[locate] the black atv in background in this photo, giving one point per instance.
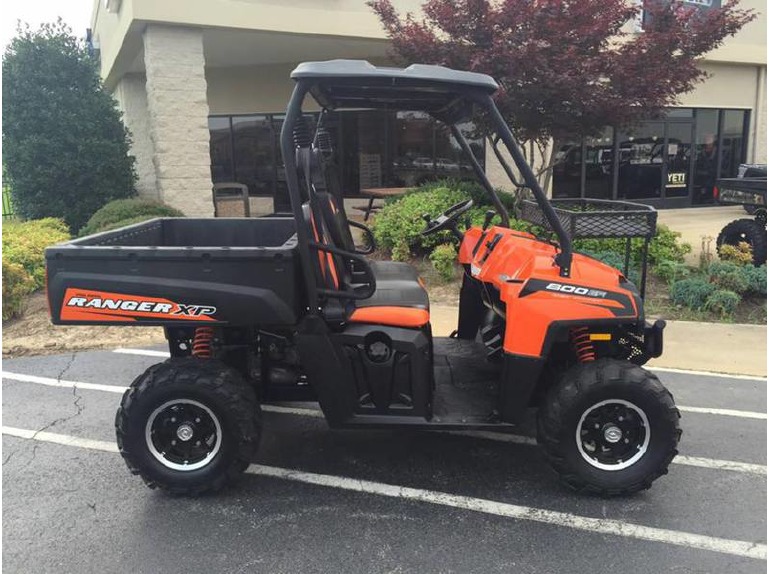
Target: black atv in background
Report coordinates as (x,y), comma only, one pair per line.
(749,189)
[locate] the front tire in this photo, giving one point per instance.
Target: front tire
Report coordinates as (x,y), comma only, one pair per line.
(609,427)
(747,231)
(188,426)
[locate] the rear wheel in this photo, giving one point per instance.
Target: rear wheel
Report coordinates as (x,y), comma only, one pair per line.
(188,426)
(609,427)
(748,231)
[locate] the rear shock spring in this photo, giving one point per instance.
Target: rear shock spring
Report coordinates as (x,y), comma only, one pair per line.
(584,347)
(201,346)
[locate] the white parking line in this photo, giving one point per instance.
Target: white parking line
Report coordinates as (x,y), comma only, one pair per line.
(145,352)
(725,412)
(716,464)
(151,353)
(515,511)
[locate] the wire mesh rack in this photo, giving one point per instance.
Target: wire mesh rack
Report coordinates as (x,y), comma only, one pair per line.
(600,219)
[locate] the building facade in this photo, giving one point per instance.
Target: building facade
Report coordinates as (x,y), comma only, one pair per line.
(203,85)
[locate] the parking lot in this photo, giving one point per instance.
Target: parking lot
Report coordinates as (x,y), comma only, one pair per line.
(318,500)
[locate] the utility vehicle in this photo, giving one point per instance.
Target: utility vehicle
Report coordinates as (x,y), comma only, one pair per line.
(749,189)
(289,309)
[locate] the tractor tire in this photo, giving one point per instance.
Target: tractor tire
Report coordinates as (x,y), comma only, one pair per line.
(609,428)
(747,230)
(188,426)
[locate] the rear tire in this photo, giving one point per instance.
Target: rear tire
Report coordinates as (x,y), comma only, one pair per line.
(188,426)
(749,231)
(609,427)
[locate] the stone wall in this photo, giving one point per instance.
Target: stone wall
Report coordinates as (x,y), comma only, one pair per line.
(178,112)
(132,99)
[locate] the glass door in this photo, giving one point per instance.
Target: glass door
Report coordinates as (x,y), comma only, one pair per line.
(677,161)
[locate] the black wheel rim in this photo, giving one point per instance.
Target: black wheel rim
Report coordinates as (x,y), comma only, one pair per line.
(183,434)
(613,434)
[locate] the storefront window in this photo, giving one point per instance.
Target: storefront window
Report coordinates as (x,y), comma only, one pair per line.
(641,162)
(733,124)
(413,160)
(599,165)
(253,149)
(706,144)
(677,158)
(221,150)
(566,171)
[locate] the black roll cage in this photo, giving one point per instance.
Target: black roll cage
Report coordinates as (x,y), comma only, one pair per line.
(476,96)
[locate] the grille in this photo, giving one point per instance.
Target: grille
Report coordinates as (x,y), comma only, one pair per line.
(595,218)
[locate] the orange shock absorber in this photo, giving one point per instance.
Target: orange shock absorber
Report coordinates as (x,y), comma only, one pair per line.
(201,347)
(581,341)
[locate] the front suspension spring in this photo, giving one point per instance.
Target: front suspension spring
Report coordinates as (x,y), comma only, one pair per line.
(584,347)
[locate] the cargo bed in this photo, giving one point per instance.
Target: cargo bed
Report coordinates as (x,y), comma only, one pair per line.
(176,271)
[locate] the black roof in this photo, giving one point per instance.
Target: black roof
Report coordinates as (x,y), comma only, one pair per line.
(358,84)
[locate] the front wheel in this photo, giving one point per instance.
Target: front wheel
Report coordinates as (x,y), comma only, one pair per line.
(609,427)
(188,426)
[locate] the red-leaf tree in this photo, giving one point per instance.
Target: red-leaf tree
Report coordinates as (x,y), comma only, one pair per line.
(567,68)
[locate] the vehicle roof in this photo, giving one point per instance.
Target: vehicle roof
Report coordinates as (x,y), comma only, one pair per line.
(358,84)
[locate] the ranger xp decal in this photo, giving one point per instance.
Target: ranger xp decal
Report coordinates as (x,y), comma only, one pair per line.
(86,305)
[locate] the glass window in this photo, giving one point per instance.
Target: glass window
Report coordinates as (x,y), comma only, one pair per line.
(679,113)
(451,160)
(677,158)
(599,162)
(413,160)
(641,162)
(706,144)
(253,147)
(220,150)
(733,138)
(566,169)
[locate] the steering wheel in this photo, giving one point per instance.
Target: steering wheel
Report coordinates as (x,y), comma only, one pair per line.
(447,220)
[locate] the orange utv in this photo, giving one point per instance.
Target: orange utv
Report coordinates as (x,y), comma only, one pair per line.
(287,308)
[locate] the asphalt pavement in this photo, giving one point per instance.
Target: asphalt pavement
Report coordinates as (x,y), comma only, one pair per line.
(318,500)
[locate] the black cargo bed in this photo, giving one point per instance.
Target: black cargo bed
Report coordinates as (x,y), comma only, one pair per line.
(173,271)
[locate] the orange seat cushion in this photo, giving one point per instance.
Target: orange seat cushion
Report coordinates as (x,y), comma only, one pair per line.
(392,316)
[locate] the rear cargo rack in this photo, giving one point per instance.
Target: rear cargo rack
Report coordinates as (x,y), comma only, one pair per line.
(599,219)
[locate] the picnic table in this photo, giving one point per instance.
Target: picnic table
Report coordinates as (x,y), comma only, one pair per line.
(379,193)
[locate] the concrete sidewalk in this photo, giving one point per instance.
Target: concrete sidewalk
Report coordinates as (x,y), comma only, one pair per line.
(714,347)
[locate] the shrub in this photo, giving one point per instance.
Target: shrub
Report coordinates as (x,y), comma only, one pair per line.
(756,279)
(665,246)
(740,254)
(122,210)
(25,242)
(671,271)
(611,258)
(66,151)
(443,259)
(722,301)
(726,275)
(397,227)
(692,293)
(17,284)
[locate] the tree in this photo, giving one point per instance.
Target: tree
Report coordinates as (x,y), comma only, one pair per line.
(65,147)
(567,68)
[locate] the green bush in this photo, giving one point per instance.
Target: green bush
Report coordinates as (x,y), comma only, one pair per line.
(756,278)
(443,260)
(722,301)
(611,258)
(692,293)
(740,254)
(665,246)
(17,284)
(25,242)
(729,276)
(65,148)
(121,211)
(671,271)
(398,225)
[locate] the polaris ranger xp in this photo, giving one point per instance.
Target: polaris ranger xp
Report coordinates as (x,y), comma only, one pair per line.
(287,308)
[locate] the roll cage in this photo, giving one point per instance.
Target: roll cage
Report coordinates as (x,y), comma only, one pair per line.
(446,95)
